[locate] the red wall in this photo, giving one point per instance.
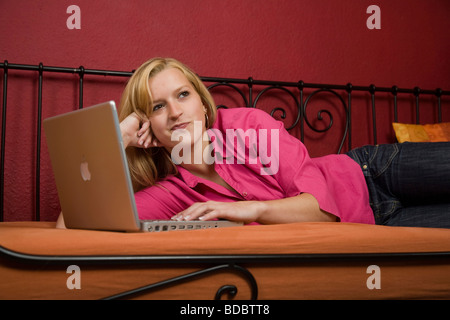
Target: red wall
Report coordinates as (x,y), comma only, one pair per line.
(315,41)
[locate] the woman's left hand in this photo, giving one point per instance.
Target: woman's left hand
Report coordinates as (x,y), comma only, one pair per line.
(242,211)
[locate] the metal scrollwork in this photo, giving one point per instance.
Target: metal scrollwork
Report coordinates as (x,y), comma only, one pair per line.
(328,113)
(230,289)
(230,86)
(279,109)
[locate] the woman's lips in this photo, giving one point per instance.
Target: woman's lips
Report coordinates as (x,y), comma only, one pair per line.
(181,125)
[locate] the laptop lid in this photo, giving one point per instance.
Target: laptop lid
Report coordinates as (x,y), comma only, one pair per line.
(90,168)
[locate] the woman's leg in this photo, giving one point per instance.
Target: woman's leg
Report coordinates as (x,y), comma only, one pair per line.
(409,183)
(432,215)
(422,185)
(422,173)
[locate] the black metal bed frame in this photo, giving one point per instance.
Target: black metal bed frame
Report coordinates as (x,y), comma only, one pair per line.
(300,101)
(210,264)
(219,263)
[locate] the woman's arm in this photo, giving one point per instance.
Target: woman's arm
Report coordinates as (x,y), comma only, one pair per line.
(301,208)
(60,222)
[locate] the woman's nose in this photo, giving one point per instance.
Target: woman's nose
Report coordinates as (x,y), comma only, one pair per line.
(175,110)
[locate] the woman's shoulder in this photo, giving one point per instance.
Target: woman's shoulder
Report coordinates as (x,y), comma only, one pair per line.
(169,185)
(241,111)
(242,118)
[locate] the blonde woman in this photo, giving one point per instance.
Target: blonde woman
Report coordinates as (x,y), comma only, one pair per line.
(164,95)
(190,161)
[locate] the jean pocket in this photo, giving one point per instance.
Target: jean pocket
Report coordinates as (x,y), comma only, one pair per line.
(383,210)
(381,158)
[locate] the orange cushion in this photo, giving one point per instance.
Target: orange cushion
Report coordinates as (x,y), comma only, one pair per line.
(422,133)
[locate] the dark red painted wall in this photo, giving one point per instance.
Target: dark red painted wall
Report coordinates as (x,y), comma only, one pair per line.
(315,41)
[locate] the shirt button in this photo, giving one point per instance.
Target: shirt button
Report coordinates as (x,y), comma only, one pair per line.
(244,194)
(365,166)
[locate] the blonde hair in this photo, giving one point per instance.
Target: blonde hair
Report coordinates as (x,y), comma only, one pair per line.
(147,166)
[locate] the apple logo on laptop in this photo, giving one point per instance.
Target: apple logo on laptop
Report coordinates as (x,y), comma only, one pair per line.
(84,169)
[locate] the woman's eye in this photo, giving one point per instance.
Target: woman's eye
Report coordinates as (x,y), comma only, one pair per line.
(183,94)
(157,107)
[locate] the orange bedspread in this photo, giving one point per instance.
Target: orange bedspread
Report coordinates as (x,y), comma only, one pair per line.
(300,278)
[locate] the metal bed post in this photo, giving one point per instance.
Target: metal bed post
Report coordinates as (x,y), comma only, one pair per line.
(81,73)
(372,90)
(349,110)
(394,93)
(38,147)
(416,94)
(302,114)
(250,92)
(3,138)
(438,95)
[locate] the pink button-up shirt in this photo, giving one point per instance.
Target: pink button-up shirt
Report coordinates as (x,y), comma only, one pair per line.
(272,165)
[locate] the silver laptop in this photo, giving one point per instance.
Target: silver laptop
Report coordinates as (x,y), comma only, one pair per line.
(92,177)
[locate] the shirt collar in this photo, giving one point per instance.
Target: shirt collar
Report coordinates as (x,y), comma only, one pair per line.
(190,179)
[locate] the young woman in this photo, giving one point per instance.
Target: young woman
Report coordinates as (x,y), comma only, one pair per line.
(190,161)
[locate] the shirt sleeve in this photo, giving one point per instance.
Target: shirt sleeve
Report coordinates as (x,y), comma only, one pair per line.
(165,199)
(150,206)
(286,158)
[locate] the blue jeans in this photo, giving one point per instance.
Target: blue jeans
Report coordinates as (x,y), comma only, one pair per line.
(409,183)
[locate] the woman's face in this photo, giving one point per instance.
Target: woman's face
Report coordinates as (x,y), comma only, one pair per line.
(176,105)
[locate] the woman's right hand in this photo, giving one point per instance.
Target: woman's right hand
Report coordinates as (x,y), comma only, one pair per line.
(136,132)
